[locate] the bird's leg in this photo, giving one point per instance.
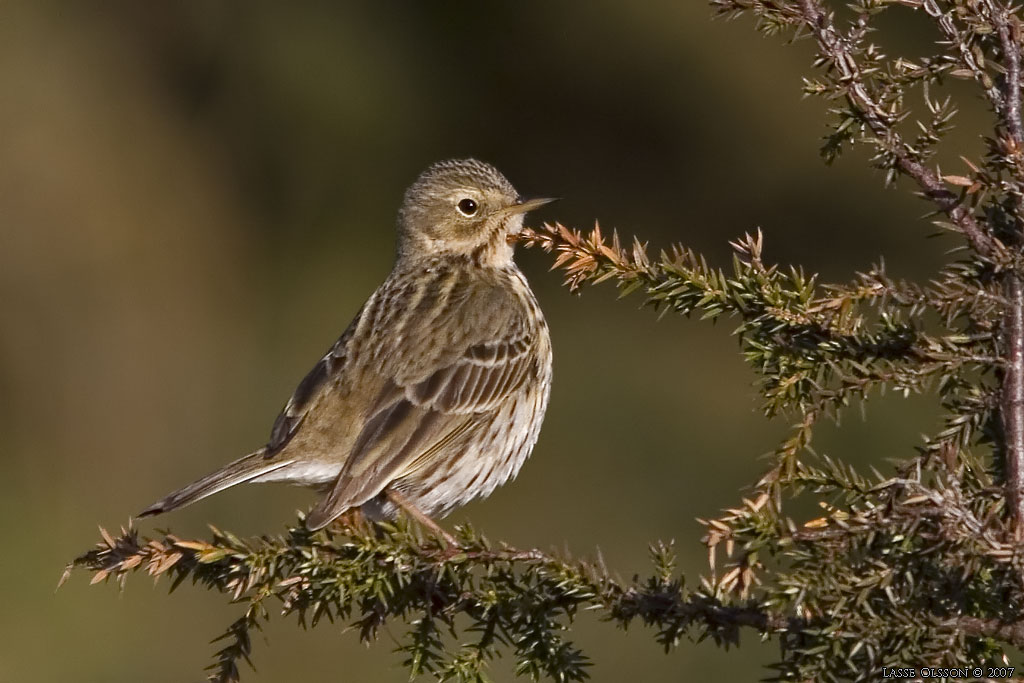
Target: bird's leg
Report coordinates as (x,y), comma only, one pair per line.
(417,514)
(352,519)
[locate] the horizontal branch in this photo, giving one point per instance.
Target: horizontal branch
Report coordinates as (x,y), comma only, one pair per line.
(991,628)
(373,576)
(813,349)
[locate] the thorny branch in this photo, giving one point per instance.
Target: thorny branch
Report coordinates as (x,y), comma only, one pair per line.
(1009,40)
(992,628)
(796,335)
(988,49)
(943,517)
(834,46)
(1006,102)
(1012,409)
(298,569)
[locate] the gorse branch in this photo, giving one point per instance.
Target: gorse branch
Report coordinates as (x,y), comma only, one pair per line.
(522,600)
(814,347)
(519,600)
(868,105)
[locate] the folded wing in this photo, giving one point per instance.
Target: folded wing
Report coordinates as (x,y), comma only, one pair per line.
(413,422)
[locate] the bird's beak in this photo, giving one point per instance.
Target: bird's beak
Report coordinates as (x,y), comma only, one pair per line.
(524,204)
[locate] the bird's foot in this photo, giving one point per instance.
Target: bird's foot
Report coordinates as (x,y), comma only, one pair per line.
(421,517)
(351,522)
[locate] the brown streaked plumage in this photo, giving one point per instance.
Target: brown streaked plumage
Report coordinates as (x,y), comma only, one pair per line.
(435,393)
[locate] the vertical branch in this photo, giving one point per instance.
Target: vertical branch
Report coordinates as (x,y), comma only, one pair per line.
(1012,408)
(1009,41)
(1013,400)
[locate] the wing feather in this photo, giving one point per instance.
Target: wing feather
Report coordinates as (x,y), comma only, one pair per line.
(290,418)
(413,423)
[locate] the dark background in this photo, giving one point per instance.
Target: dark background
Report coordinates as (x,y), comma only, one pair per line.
(196,197)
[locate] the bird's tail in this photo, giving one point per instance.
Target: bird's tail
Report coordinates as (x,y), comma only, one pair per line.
(244,469)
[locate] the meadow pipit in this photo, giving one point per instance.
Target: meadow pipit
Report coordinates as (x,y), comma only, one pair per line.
(435,393)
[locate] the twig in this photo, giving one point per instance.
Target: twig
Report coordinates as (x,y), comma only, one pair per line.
(963,45)
(1009,632)
(834,47)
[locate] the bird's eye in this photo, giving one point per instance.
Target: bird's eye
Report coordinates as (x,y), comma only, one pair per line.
(467,206)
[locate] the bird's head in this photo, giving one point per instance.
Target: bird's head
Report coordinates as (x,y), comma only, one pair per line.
(462,206)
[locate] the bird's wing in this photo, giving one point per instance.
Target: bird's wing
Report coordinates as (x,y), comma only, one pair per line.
(412,421)
(291,417)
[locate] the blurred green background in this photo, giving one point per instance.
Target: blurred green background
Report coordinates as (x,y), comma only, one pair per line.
(196,197)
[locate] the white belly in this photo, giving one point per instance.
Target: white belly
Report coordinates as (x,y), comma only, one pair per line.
(303,474)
